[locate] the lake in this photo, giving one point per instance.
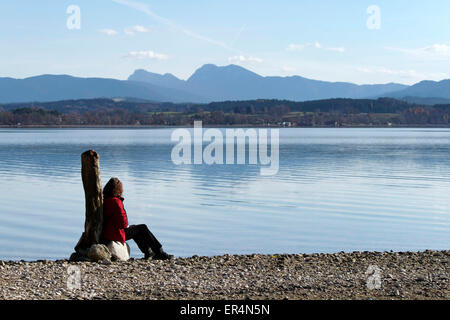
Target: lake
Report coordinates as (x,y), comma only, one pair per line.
(336,190)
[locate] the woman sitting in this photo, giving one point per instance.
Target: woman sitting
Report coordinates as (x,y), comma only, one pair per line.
(116,228)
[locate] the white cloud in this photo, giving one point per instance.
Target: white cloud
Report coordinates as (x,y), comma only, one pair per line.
(244,59)
(109,32)
(383,70)
(408,73)
(146,55)
(297,47)
(288,69)
(438,48)
(316,45)
(435,50)
(337,49)
(131,31)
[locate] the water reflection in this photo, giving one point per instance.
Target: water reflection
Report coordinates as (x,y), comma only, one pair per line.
(337,189)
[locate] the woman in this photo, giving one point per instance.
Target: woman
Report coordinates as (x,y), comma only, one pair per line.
(116,228)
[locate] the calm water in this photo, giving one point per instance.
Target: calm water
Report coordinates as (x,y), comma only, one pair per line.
(336,190)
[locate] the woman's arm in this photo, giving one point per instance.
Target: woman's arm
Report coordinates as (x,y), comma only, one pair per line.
(120,215)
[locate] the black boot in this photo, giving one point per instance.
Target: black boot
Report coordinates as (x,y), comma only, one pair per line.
(149,254)
(162,255)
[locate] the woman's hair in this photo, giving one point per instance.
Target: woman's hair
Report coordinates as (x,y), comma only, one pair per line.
(113,188)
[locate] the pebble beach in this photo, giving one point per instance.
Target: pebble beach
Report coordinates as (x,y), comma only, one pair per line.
(357,275)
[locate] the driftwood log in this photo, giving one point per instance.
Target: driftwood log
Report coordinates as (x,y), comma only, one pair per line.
(90,174)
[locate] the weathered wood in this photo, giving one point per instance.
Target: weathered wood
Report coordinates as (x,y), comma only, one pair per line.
(90,174)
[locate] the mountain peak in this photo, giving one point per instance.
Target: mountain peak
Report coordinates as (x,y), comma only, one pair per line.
(230,67)
(142,73)
(426,89)
(166,80)
(229,72)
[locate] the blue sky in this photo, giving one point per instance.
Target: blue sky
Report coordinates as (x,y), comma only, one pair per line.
(325,39)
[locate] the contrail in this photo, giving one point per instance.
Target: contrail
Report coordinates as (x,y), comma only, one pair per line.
(145,9)
(239,34)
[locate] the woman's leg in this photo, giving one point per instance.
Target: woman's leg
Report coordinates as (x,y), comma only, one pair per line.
(144,239)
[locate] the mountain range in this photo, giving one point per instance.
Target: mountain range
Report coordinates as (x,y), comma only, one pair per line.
(207,84)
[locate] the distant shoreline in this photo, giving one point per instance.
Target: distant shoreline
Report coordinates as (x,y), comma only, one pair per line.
(214,126)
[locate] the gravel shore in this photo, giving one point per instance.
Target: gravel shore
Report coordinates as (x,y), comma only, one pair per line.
(357,275)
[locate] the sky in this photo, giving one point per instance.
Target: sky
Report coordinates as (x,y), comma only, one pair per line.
(364,42)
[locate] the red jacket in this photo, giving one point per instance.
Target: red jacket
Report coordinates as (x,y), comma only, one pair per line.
(114,219)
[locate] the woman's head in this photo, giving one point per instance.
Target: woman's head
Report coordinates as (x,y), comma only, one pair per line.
(113,188)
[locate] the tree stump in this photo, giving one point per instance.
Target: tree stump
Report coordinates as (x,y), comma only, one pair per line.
(90,174)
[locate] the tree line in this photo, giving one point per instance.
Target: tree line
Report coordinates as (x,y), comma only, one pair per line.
(332,113)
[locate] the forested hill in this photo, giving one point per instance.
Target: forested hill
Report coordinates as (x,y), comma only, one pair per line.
(331,112)
(381,105)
